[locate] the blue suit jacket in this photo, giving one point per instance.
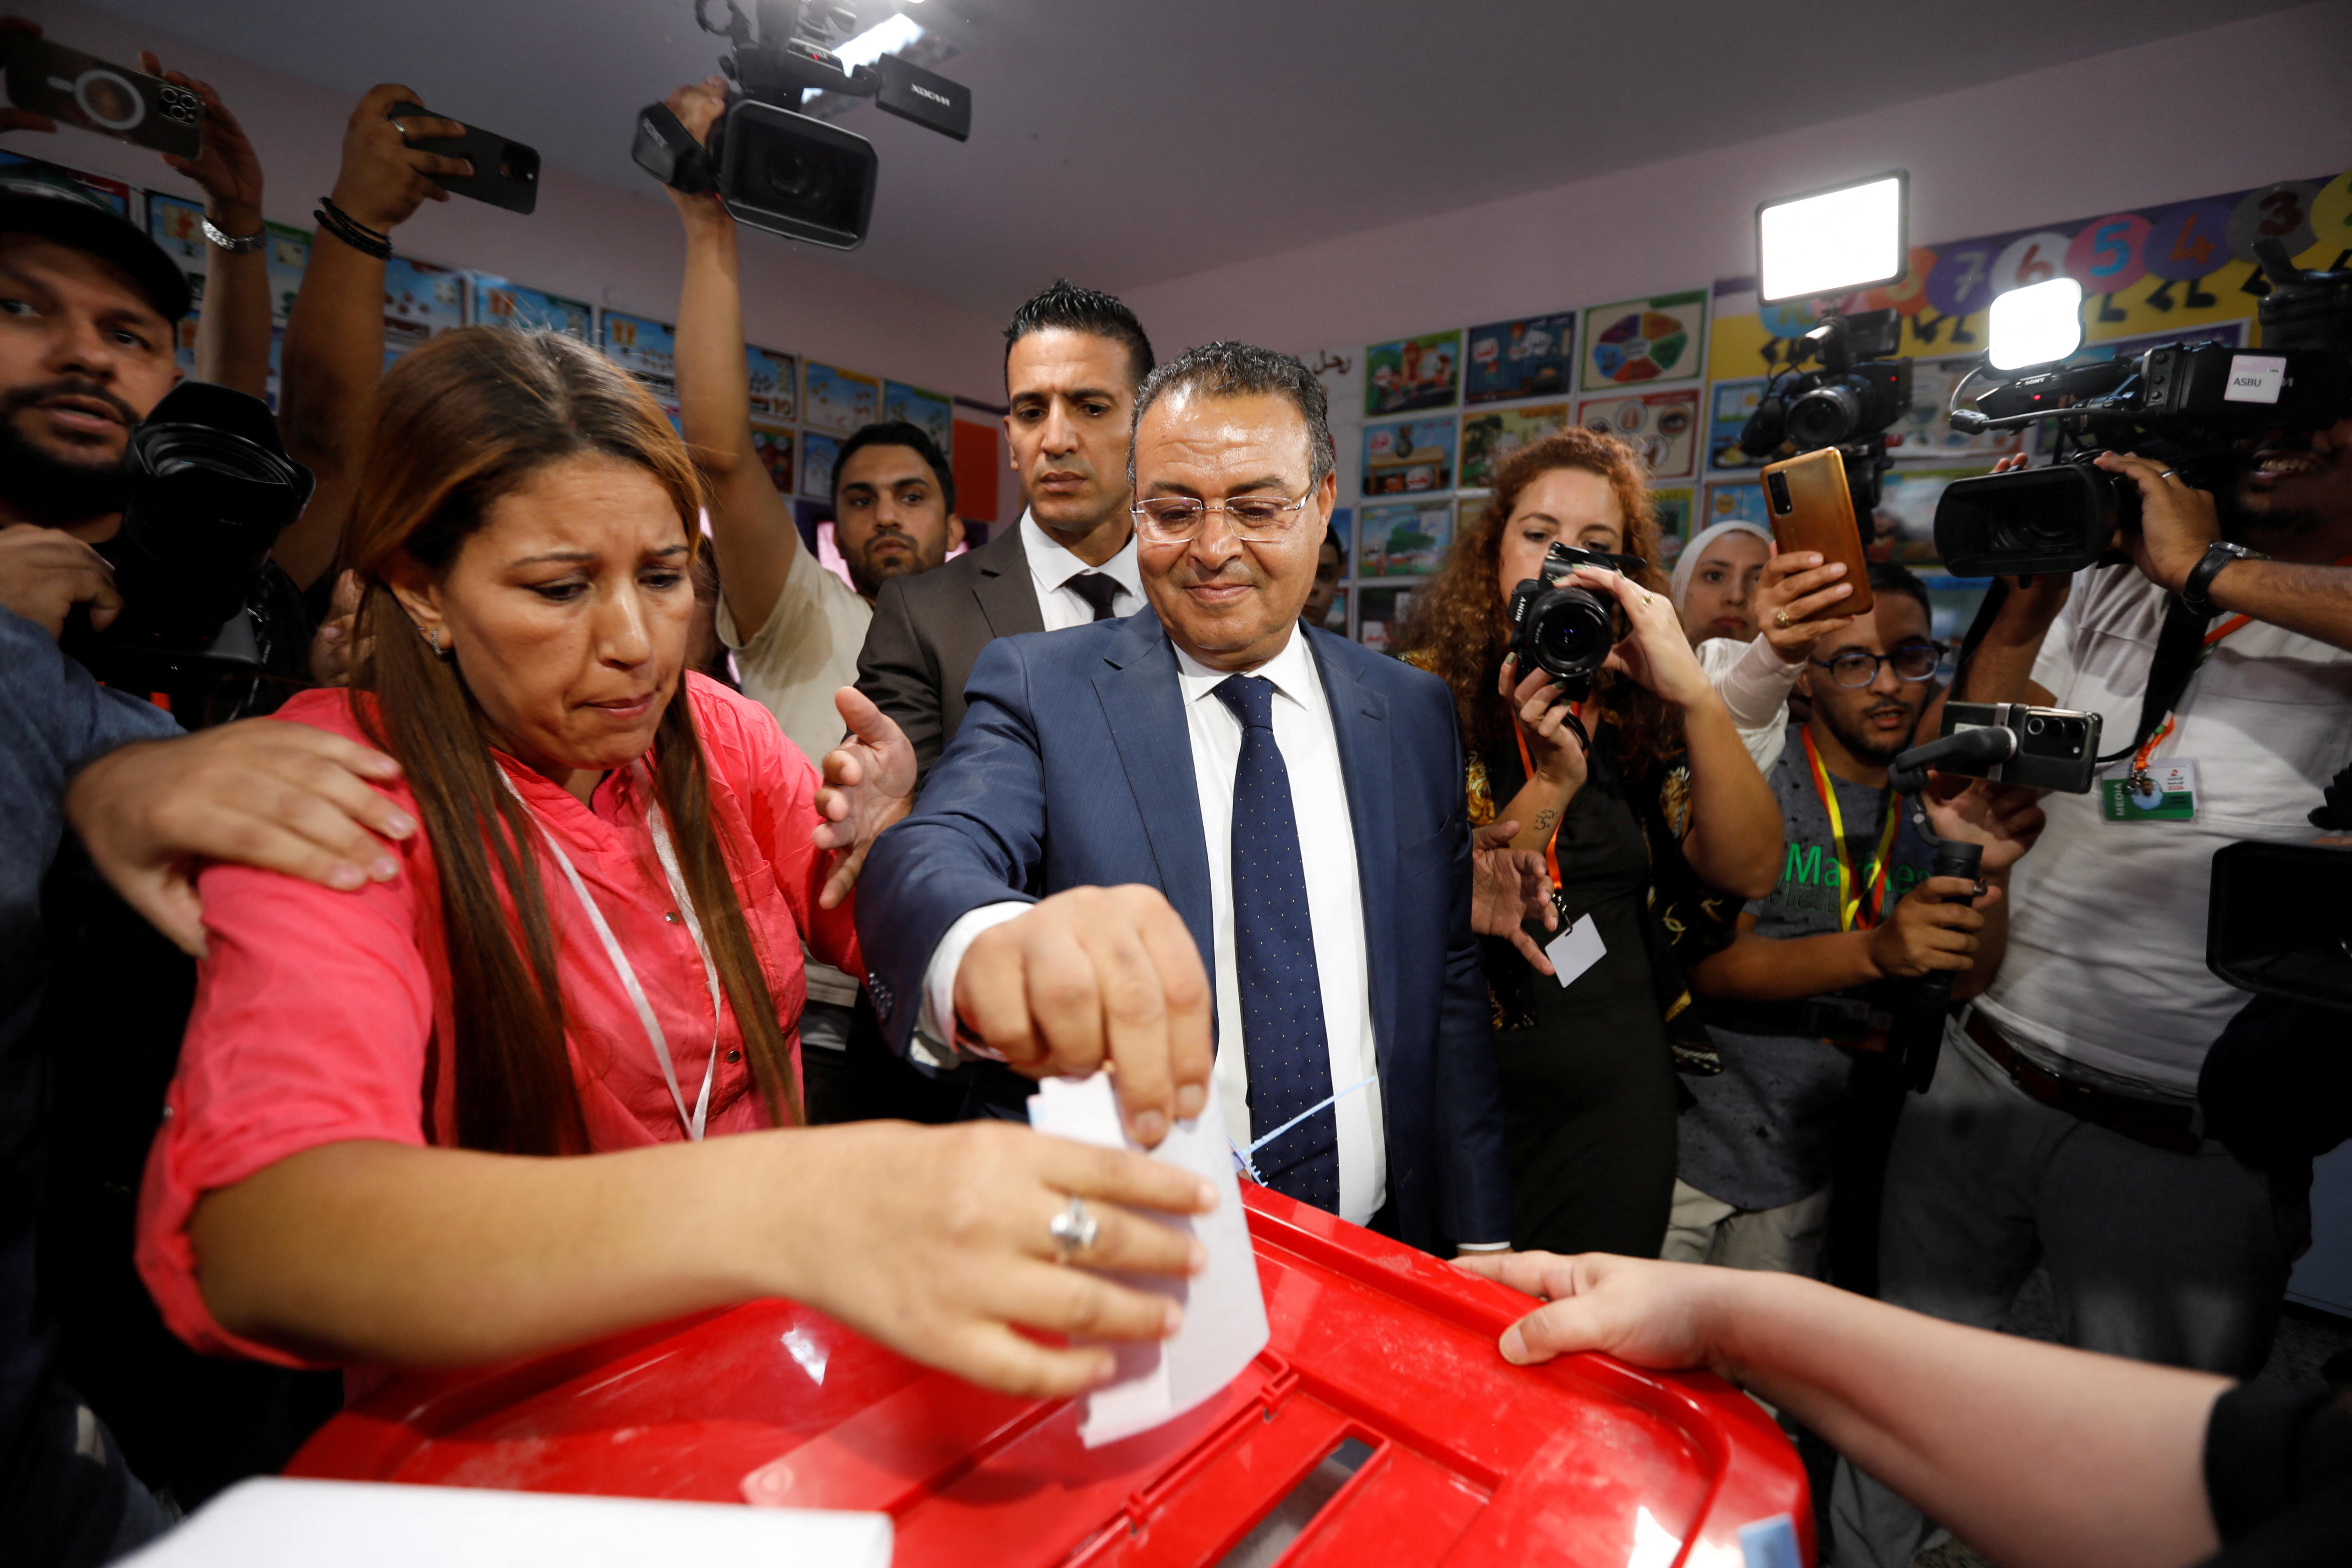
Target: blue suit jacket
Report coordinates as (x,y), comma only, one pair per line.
(1073,768)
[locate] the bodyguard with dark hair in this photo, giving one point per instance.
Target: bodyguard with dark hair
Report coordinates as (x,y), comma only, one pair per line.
(1108,863)
(1073,359)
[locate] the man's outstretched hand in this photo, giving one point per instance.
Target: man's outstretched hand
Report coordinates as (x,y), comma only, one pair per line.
(1093,977)
(869,784)
(1509,888)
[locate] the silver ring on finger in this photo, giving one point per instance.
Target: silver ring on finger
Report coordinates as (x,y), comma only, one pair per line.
(403,131)
(1074,1230)
(2168,473)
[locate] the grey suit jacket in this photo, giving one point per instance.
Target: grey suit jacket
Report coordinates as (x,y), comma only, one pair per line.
(929,629)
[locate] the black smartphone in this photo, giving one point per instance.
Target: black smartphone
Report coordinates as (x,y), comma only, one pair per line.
(506,173)
(75,89)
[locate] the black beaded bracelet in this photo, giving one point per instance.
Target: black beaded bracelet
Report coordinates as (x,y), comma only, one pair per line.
(351,232)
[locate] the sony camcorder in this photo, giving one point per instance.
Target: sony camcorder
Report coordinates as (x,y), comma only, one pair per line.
(2185,404)
(1859,391)
(776,168)
(1567,631)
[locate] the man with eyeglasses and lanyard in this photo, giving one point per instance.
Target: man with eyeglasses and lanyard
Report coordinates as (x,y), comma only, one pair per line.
(1802,1000)
(1110,861)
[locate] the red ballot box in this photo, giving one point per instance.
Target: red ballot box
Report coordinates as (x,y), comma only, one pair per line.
(1378,1427)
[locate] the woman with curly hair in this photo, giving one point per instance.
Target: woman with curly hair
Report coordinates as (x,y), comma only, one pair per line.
(1656,836)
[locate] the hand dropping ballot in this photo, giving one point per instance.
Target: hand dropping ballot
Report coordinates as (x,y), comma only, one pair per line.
(1225,1313)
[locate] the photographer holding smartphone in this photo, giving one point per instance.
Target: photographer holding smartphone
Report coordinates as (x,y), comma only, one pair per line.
(1663,826)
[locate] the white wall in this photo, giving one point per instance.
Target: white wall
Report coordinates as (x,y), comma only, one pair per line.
(2219,110)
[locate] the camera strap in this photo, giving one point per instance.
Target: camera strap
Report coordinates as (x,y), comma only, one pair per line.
(1856,906)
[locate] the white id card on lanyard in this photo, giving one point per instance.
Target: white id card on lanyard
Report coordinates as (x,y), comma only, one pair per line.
(694,1121)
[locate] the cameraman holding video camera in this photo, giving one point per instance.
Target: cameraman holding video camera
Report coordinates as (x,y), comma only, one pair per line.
(2063,1127)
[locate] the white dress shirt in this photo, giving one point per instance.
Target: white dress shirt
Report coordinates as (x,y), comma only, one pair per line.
(1051,567)
(1334,910)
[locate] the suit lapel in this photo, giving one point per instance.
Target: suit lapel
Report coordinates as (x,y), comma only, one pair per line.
(1143,702)
(1005,592)
(1360,717)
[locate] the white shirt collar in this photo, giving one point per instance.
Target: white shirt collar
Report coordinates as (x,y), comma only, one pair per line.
(1292,671)
(1052,565)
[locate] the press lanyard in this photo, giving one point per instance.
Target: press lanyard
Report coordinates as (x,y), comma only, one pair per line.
(2147,749)
(1850,906)
(1551,844)
(668,855)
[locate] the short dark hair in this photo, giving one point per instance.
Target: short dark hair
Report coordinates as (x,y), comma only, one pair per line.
(1238,370)
(1066,305)
(897,433)
(1887,577)
(1331,537)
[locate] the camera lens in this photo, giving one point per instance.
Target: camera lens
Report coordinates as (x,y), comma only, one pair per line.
(1826,416)
(2034,726)
(1570,632)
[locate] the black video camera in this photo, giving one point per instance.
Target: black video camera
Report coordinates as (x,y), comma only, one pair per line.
(780,170)
(211,489)
(2010,743)
(2185,404)
(1564,631)
(1859,391)
(2280,920)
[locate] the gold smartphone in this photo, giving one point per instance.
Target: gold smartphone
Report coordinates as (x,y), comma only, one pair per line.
(1812,509)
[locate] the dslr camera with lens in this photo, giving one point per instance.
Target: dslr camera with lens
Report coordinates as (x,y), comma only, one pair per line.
(1859,391)
(2185,404)
(1565,631)
(780,170)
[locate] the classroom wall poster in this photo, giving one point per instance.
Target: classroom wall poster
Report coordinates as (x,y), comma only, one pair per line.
(775,384)
(1673,509)
(1662,426)
(178,226)
(1527,358)
(1412,372)
(933,413)
(818,455)
(503,302)
(1906,511)
(116,194)
(1380,611)
(774,441)
(1410,456)
(1405,541)
(1342,532)
(1741,501)
(1661,338)
(422,300)
(1730,404)
(839,400)
(1489,439)
(646,348)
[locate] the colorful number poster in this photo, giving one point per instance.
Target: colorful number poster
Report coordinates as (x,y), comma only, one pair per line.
(1412,372)
(1658,339)
(1381,614)
(1729,403)
(117,194)
(1661,425)
(1405,541)
(1906,511)
(646,348)
(503,302)
(1527,358)
(839,400)
(818,455)
(1740,502)
(422,300)
(931,412)
(774,443)
(1410,456)
(1672,507)
(1489,439)
(776,384)
(178,226)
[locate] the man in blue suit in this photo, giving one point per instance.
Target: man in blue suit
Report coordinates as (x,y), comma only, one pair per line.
(1208,779)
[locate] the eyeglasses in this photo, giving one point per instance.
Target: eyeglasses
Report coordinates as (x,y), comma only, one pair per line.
(1911,661)
(1174,519)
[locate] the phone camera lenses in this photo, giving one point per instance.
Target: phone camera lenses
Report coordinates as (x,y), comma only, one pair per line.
(2034,726)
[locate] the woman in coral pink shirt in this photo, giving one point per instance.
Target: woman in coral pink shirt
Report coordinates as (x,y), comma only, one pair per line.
(474,1111)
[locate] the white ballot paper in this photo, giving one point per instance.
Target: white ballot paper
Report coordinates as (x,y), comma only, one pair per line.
(1225,1312)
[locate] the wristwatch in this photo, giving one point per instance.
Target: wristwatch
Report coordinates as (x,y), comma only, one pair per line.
(2217,554)
(235,245)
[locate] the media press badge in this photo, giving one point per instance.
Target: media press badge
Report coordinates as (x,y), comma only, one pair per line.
(2168,793)
(1576,949)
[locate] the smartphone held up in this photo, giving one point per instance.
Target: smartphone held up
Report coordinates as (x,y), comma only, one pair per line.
(75,89)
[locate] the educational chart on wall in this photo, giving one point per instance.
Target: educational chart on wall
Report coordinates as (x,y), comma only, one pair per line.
(1729,405)
(1661,425)
(839,400)
(1489,439)
(775,378)
(1661,338)
(1527,358)
(1672,507)
(1410,456)
(178,226)
(422,300)
(1405,541)
(646,348)
(933,413)
(818,455)
(1412,372)
(503,302)
(774,441)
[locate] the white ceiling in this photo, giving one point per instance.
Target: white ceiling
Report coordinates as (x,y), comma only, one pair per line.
(1124,143)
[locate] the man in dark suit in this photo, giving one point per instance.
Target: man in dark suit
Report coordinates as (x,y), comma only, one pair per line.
(1073,359)
(1110,863)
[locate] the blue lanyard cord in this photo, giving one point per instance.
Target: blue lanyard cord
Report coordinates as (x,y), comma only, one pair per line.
(1241,1155)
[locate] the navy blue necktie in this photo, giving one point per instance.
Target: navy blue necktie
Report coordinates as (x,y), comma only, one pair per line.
(1283,1044)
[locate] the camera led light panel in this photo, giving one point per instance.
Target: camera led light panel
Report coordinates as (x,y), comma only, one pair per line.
(1833,241)
(2038,324)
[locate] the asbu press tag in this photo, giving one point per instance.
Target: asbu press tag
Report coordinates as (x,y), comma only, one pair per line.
(1576,949)
(2168,794)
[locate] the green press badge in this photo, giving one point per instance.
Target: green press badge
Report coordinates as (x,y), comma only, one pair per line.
(2167,794)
